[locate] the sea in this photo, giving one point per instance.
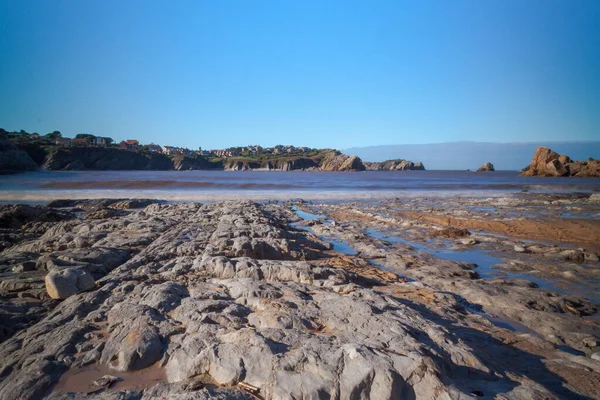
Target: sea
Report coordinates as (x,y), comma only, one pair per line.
(43,186)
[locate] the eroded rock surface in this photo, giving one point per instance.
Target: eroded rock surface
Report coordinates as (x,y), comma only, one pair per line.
(209,299)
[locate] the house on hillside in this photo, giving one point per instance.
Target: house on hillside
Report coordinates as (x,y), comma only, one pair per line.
(99,141)
(154,148)
(79,143)
(63,142)
(131,145)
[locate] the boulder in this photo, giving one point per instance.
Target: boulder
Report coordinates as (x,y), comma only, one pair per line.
(546,162)
(62,283)
(487,167)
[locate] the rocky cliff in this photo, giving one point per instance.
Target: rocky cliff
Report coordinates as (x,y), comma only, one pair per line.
(281,164)
(91,158)
(394,165)
(185,163)
(546,162)
(336,161)
(94,158)
(325,161)
(12,159)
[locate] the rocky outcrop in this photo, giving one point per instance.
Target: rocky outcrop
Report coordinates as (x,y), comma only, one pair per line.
(17,215)
(12,159)
(93,158)
(487,167)
(116,159)
(546,162)
(279,164)
(336,161)
(292,164)
(241,165)
(215,297)
(325,161)
(394,165)
(186,163)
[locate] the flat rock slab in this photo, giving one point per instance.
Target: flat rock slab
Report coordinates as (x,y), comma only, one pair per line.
(203,300)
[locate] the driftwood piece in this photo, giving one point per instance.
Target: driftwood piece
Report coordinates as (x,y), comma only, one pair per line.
(250,389)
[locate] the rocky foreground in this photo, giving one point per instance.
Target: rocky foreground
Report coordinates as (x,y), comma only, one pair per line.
(122,299)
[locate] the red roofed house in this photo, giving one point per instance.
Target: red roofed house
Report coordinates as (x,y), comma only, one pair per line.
(129,145)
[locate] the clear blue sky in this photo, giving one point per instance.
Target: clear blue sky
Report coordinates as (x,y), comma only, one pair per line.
(318,73)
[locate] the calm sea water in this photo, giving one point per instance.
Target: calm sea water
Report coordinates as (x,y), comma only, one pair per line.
(216,185)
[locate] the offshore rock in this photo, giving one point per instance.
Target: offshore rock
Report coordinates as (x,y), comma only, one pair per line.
(487,167)
(394,165)
(546,162)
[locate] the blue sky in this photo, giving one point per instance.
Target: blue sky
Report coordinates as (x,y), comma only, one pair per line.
(317,73)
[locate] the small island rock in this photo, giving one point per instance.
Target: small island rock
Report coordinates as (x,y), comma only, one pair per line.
(487,167)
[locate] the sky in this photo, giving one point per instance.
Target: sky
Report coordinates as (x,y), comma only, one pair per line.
(335,74)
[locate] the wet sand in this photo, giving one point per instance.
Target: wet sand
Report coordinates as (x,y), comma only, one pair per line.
(574,231)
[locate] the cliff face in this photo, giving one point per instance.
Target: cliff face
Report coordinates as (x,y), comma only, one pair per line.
(185,163)
(336,161)
(94,158)
(282,164)
(300,163)
(327,161)
(546,162)
(13,160)
(394,165)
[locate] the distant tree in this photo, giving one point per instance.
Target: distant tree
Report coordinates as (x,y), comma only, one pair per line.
(85,136)
(108,140)
(53,135)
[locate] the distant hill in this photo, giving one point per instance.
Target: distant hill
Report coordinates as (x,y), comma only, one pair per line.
(471,155)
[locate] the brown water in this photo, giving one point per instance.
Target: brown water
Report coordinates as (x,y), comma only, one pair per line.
(81,379)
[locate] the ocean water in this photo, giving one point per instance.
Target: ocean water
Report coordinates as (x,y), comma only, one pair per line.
(262,185)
